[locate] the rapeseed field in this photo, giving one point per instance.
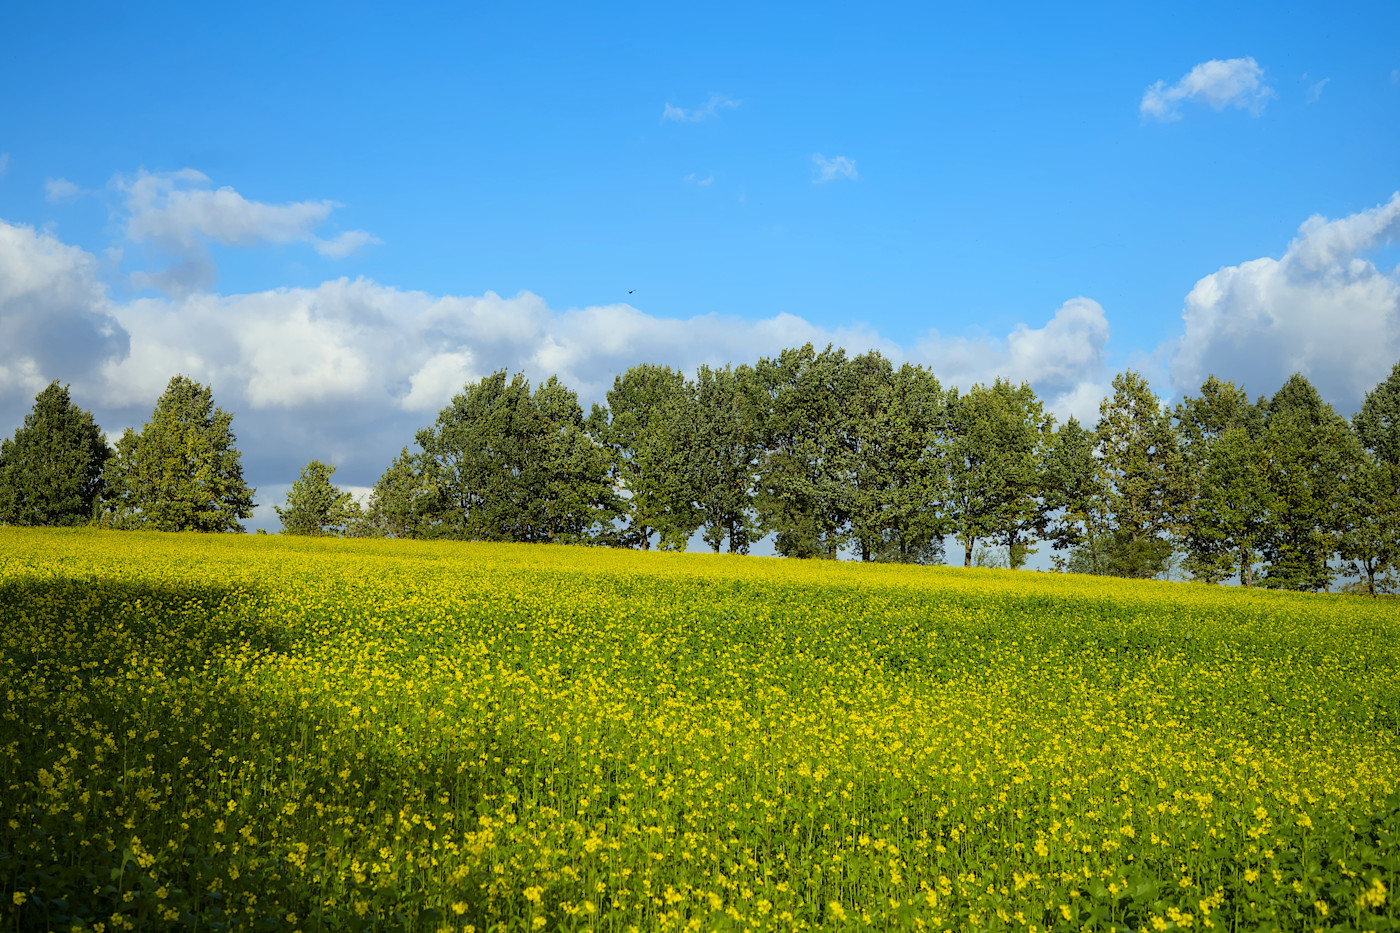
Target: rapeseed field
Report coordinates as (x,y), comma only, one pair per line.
(261,733)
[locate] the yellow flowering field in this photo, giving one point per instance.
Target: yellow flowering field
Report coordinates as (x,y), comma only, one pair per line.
(263,733)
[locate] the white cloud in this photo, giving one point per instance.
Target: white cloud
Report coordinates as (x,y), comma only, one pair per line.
(180,212)
(348,370)
(695,180)
(713,106)
(825,169)
(348,242)
(1315,90)
(55,321)
(1322,310)
(1065,360)
(60,189)
(1236,82)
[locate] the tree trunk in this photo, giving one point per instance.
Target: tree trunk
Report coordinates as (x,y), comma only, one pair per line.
(967,551)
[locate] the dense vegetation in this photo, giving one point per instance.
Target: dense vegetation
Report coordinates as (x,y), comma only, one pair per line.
(237,732)
(829,454)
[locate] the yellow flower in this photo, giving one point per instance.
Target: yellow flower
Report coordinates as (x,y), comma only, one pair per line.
(20,898)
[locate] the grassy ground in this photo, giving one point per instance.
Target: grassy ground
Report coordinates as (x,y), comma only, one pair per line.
(269,733)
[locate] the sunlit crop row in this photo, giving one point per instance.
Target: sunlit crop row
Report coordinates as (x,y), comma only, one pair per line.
(261,733)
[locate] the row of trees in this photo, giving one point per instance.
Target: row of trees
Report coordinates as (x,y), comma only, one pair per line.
(180,472)
(829,453)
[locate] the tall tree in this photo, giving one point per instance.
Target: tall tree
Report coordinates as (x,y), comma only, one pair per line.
(725,448)
(648,428)
(51,470)
(1370,538)
(316,506)
(406,501)
(1224,525)
(804,487)
(900,428)
(181,471)
(1143,476)
(1312,454)
(1075,500)
(1000,436)
(507,464)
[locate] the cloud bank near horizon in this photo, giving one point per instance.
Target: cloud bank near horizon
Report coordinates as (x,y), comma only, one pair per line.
(347,370)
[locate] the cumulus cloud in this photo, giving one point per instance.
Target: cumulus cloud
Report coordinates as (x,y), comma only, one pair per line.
(1065,360)
(60,189)
(1235,82)
(1322,309)
(348,370)
(54,316)
(825,170)
(180,212)
(712,107)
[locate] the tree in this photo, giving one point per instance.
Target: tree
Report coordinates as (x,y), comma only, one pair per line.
(1144,480)
(648,427)
(901,517)
(405,502)
(725,448)
(316,506)
(504,464)
(1074,499)
(181,472)
(1370,537)
(51,470)
(1224,524)
(804,487)
(999,440)
(1312,454)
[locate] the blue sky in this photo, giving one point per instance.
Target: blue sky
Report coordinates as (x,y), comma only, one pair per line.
(336,215)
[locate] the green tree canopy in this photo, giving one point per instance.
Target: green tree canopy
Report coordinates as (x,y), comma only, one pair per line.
(1224,526)
(505,464)
(1312,454)
(316,506)
(181,471)
(51,470)
(1370,537)
(999,439)
(804,488)
(725,449)
(648,428)
(1143,476)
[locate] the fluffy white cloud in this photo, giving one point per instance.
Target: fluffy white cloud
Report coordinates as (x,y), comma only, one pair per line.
(1322,310)
(180,212)
(60,189)
(54,317)
(1065,360)
(713,106)
(1235,82)
(824,169)
(347,371)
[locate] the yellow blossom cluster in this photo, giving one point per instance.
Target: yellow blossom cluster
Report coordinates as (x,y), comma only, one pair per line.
(231,732)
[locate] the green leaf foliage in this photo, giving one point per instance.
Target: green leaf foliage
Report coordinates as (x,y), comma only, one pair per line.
(648,428)
(51,470)
(725,448)
(181,471)
(316,506)
(1143,476)
(1000,438)
(1312,454)
(505,464)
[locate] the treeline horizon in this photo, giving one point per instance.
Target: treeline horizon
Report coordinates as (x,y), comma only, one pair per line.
(829,453)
